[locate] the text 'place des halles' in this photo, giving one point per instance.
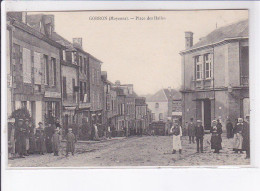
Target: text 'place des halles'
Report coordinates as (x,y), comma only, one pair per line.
(63,109)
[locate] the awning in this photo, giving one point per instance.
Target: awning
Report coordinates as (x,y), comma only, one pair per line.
(69,108)
(178,113)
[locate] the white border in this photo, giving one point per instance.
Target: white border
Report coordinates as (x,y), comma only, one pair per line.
(136,179)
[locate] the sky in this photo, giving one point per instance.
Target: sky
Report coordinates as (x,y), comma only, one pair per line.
(144,53)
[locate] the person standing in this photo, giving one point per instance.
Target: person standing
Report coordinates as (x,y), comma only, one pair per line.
(39,137)
(238,139)
(32,141)
(229,127)
(26,132)
(20,137)
(176,138)
(96,132)
(246,137)
(11,139)
(56,142)
(191,131)
(49,131)
(109,131)
(216,139)
(70,144)
(199,134)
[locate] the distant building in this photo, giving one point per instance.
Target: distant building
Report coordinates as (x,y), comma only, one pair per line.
(141,117)
(164,105)
(215,75)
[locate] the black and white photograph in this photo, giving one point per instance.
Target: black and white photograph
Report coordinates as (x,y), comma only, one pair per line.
(128,88)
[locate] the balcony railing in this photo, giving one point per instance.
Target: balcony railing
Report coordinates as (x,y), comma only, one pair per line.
(244,80)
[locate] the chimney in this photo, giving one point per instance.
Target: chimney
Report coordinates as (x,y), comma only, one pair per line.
(188,39)
(77,41)
(117,83)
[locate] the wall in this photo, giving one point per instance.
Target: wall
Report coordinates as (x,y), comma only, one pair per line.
(163,108)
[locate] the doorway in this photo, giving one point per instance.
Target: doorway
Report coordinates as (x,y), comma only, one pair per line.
(206,114)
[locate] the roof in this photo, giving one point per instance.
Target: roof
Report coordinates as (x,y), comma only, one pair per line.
(164,95)
(55,36)
(172,94)
(140,101)
(235,30)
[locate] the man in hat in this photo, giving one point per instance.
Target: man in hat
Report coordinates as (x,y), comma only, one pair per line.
(56,142)
(70,147)
(191,131)
(199,134)
(39,138)
(246,137)
(20,137)
(238,136)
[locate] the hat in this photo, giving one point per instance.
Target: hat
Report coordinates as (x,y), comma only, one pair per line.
(40,123)
(247,115)
(240,120)
(214,121)
(20,119)
(199,121)
(70,129)
(11,120)
(56,129)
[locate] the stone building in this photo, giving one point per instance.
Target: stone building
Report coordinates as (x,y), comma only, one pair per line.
(141,113)
(215,75)
(163,105)
(35,66)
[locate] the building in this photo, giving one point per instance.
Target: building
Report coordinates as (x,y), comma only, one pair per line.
(69,81)
(120,118)
(141,113)
(215,75)
(163,104)
(35,68)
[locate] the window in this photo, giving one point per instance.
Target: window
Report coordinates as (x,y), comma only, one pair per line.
(157,105)
(73,85)
(81,91)
(85,65)
(64,55)
(153,116)
(24,104)
(46,68)
(27,66)
(80,63)
(37,68)
(64,87)
(53,66)
(72,57)
(198,65)
(160,116)
(207,61)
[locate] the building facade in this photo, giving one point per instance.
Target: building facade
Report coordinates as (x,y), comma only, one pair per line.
(215,73)
(163,105)
(141,114)
(35,65)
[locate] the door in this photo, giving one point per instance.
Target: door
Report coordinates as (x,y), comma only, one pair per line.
(33,110)
(207,114)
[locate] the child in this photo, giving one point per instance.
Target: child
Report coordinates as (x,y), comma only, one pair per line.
(56,142)
(70,142)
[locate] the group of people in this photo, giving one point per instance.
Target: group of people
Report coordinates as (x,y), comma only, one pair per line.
(25,139)
(196,132)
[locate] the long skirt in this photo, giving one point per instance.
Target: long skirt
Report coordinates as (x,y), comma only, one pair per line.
(27,145)
(32,144)
(70,147)
(176,142)
(238,140)
(216,142)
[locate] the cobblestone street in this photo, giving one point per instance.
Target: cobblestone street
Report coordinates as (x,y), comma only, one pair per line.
(136,151)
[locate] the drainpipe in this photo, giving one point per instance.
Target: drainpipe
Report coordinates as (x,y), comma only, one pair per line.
(214,84)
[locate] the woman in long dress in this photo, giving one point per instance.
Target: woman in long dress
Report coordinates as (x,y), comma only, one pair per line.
(176,131)
(216,139)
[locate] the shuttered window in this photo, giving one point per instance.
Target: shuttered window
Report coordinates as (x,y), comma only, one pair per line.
(73,85)
(27,66)
(64,87)
(53,66)
(46,68)
(37,68)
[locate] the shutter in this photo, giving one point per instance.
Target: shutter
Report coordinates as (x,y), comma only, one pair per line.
(73,85)
(64,87)
(54,72)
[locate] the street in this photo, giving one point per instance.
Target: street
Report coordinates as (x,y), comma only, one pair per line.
(136,151)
